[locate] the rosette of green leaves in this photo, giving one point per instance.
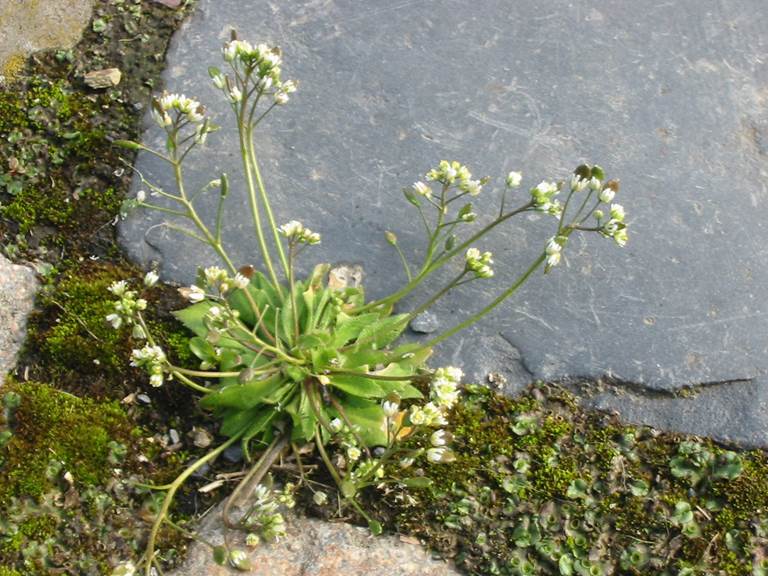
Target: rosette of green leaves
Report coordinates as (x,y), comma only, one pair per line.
(335,365)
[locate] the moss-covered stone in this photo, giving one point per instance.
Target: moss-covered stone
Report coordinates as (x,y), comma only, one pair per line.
(52,426)
(542,486)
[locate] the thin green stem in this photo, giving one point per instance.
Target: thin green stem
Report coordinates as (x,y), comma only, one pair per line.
(324,455)
(175,485)
(192,215)
(254,202)
(203,373)
(403,259)
(265,199)
(411,286)
(190,383)
(292,287)
(498,300)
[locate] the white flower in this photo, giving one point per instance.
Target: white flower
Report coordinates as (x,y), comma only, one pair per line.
(241,281)
(606,195)
(406,462)
(281,98)
(219,81)
(162,119)
(439,438)
(433,415)
(291,229)
(610,228)
(214,274)
(235,95)
(595,183)
(418,417)
(620,237)
(230,51)
(438,454)
(138,332)
(320,498)
(514,179)
(390,408)
(151,278)
(118,288)
(296,231)
(156,380)
(422,189)
(444,392)
(336,425)
(472,187)
(578,184)
(289,87)
(195,294)
(553,252)
(115,319)
(617,212)
(353,453)
(450,373)
(149,355)
(553,247)
(141,196)
(265,83)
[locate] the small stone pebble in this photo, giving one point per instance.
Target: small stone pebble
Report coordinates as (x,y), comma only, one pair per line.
(106,78)
(425,323)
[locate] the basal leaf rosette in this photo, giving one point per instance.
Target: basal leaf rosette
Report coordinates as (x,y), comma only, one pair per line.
(337,365)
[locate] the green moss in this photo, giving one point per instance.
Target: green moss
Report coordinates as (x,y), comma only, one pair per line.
(538,477)
(70,338)
(52,426)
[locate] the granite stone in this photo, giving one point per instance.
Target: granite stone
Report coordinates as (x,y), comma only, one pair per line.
(18,286)
(672,98)
(315,548)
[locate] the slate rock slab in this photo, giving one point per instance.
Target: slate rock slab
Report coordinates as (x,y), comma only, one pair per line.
(670,97)
(18,285)
(315,548)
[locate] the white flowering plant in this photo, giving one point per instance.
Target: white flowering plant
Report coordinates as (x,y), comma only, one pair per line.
(293,363)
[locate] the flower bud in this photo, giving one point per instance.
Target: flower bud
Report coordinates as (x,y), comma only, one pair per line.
(514,179)
(151,278)
(606,195)
(391,237)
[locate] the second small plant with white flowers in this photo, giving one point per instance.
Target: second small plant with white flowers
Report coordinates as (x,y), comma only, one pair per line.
(291,364)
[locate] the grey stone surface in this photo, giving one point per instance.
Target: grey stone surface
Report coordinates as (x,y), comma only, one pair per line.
(670,97)
(30,25)
(18,285)
(315,548)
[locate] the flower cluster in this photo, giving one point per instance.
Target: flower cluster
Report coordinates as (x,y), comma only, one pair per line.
(260,64)
(184,107)
(214,279)
(479,263)
(454,172)
(152,359)
(264,520)
(296,232)
(614,227)
(128,305)
(554,250)
(444,389)
(543,197)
